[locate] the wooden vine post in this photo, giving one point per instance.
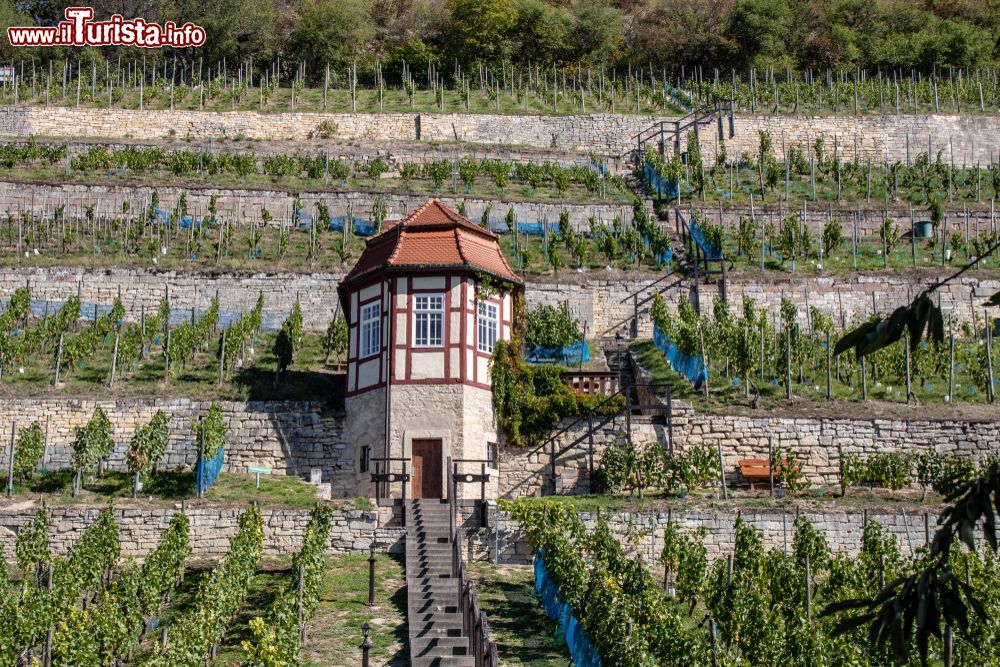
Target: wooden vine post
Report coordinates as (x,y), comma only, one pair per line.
(10,461)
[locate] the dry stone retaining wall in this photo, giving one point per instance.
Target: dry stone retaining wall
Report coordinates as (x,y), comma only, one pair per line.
(211,528)
(982,218)
(287,436)
(244,206)
(817,443)
(642,532)
(965,139)
(604,304)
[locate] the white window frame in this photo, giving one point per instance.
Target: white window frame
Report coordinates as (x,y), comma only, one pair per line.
(428,320)
(487,323)
(370,330)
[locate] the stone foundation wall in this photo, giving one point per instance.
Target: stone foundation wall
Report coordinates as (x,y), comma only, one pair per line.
(964,139)
(352,531)
(603,303)
(642,532)
(289,437)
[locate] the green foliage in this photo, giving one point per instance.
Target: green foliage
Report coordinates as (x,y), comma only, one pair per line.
(241,332)
(697,467)
(893,470)
(32,546)
(529,399)
(788,470)
(28,450)
(211,431)
(219,596)
(811,543)
(289,338)
(336,336)
(148,444)
(942,472)
(746,237)
(92,442)
(375,167)
(833,237)
(631,466)
(279,643)
(550,326)
(188,338)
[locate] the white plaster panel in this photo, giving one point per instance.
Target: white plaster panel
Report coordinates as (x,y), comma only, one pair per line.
(429,282)
(426,365)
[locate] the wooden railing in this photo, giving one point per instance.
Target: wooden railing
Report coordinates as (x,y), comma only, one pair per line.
(592,382)
(675,129)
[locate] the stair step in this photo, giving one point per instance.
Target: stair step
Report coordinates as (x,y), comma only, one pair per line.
(444,661)
(439,646)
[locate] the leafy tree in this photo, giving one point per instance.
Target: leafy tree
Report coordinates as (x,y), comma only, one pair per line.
(542,31)
(480,29)
(746,239)
(330,31)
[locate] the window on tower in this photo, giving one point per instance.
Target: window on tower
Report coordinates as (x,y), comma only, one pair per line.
(489,326)
(371,329)
(428,320)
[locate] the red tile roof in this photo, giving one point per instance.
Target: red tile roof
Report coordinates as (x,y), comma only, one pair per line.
(433,236)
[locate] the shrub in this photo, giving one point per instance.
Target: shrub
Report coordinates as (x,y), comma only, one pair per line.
(551,326)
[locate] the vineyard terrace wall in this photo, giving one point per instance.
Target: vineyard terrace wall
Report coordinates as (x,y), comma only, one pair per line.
(140,529)
(295,437)
(817,443)
(242,207)
(289,437)
(964,139)
(40,199)
(605,303)
(641,533)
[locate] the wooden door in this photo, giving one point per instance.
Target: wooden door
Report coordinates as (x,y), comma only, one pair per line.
(427,475)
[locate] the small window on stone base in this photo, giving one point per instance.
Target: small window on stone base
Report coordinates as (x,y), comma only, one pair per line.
(492,454)
(366,453)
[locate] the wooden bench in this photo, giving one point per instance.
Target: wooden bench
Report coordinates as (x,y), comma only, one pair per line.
(756,471)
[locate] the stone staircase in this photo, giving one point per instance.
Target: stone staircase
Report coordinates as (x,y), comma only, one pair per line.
(437,637)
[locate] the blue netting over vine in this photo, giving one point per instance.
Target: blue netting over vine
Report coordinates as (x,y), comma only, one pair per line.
(360,226)
(208,470)
(663,187)
(581,650)
(166,218)
(500,226)
(679,98)
(302,219)
(575,353)
(698,234)
(690,366)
